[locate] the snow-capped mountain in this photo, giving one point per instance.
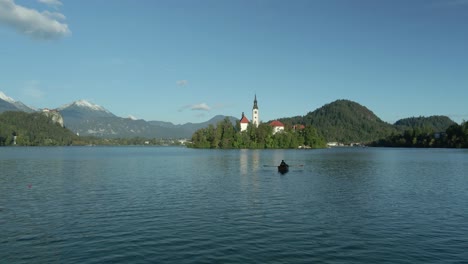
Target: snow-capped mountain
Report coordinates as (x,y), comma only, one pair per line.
(89,119)
(4,97)
(9,104)
(84,108)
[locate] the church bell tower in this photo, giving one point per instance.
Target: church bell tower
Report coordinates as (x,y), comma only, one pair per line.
(255,118)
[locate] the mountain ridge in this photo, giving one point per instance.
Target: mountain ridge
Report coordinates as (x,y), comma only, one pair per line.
(89,119)
(341,121)
(84,104)
(86,118)
(9,104)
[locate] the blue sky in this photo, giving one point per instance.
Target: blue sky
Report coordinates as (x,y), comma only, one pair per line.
(187,61)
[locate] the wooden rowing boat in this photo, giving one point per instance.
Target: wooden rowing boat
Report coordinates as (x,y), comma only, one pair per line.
(283,169)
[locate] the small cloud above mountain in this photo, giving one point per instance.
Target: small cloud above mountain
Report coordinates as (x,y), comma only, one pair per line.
(196,107)
(201,107)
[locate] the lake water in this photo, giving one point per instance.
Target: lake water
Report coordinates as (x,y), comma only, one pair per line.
(178,205)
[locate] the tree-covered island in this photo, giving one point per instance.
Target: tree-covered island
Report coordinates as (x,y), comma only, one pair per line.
(225,135)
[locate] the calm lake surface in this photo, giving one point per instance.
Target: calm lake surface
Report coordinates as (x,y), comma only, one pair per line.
(178,205)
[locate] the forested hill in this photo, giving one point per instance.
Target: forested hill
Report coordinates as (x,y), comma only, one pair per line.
(427,124)
(32,129)
(344,121)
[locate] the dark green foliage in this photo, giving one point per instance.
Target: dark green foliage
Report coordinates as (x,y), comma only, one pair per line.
(456,136)
(430,124)
(33,129)
(225,135)
(344,121)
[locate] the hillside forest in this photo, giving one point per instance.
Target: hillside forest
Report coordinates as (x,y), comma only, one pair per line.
(36,129)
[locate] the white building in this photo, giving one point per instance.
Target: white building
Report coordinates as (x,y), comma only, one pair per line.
(277,126)
(244,123)
(255,116)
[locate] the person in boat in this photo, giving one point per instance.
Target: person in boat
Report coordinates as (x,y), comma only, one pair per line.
(283,164)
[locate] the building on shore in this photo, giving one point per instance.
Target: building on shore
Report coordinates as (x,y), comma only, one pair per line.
(277,126)
(244,123)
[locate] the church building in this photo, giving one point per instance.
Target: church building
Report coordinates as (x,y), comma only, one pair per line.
(244,122)
(255,118)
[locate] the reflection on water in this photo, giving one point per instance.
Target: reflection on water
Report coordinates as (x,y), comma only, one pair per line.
(249,160)
(243,161)
(176,205)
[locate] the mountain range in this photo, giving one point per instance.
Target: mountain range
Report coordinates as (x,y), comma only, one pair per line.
(8,104)
(85,118)
(88,119)
(341,121)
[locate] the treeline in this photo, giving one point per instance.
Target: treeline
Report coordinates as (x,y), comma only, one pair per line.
(226,136)
(427,124)
(456,136)
(36,129)
(32,129)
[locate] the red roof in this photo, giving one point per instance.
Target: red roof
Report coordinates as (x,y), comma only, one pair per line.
(276,123)
(244,120)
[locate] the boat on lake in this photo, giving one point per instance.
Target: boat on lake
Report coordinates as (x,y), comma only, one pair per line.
(283,169)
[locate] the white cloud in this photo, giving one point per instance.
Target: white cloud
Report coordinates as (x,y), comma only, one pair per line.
(54,15)
(30,22)
(196,107)
(51,2)
(201,107)
(182,82)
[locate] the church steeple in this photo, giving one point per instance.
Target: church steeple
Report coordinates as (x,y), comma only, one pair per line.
(255,102)
(255,118)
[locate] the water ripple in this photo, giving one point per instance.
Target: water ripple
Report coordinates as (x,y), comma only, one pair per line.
(162,205)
